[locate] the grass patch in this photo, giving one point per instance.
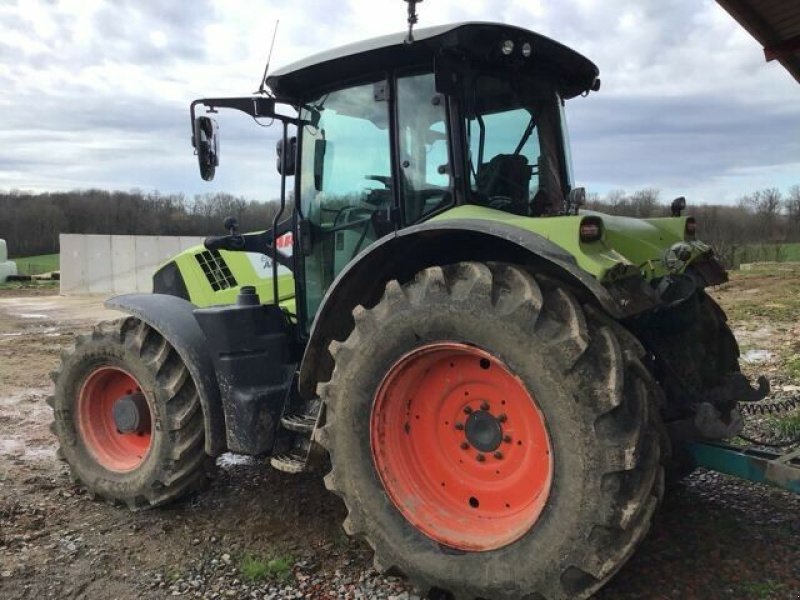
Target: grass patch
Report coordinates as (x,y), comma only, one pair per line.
(793,366)
(30,285)
(765,590)
(772,293)
(788,426)
(278,568)
(173,575)
(35,265)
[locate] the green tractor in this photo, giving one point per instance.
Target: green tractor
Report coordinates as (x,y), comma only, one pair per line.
(497,382)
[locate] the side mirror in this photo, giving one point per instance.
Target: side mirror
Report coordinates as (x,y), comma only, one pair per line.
(291,152)
(678,206)
(206,146)
(577,198)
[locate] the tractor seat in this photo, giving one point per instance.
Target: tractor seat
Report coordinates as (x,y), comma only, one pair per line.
(506,176)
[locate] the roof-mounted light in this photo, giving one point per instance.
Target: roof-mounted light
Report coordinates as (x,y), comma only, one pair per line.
(527,50)
(507,47)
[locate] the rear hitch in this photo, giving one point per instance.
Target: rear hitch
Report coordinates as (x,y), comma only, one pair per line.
(759,465)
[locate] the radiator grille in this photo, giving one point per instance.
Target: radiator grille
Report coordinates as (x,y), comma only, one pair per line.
(216,270)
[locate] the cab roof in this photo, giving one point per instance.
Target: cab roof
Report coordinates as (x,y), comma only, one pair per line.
(572,73)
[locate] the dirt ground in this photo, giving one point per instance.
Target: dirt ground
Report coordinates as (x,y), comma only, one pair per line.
(715,537)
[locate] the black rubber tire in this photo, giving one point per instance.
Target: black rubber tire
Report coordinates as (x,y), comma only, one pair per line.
(176,463)
(595,394)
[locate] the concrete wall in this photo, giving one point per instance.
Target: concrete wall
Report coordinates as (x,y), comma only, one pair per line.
(115,264)
(7,267)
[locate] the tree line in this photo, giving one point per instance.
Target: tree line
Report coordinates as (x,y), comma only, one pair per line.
(31,222)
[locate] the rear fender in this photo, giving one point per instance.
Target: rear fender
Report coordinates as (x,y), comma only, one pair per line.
(403,254)
(174,319)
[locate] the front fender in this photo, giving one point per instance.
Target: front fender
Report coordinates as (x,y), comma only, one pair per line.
(174,319)
(401,255)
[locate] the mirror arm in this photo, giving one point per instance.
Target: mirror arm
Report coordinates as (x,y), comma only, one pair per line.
(255,106)
(258,243)
(279,214)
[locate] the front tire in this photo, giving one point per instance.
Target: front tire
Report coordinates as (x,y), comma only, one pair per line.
(588,483)
(164,457)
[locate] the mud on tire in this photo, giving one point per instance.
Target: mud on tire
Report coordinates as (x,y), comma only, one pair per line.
(175,462)
(597,400)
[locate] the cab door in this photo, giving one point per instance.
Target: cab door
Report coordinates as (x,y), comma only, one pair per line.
(345,183)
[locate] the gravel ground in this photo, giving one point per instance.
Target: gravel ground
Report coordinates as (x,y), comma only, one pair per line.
(257,533)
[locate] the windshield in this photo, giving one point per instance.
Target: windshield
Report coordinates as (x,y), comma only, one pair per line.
(514,149)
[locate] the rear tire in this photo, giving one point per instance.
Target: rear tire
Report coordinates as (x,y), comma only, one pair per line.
(585,376)
(157,465)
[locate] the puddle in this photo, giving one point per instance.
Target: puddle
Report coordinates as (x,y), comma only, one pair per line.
(31,316)
(757,356)
(24,421)
(234,460)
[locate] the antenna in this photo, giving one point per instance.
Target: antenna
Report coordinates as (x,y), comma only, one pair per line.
(412,19)
(262,89)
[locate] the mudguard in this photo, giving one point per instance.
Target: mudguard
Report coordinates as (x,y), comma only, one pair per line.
(404,253)
(174,319)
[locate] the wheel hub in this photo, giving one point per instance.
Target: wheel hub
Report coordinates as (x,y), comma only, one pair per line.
(483,431)
(114,420)
(131,414)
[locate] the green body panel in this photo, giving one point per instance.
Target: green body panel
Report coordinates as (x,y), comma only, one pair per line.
(242,268)
(628,247)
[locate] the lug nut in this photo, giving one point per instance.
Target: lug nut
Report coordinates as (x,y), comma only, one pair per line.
(498,455)
(460,426)
(507,439)
(464,445)
(502,418)
(467,410)
(480,458)
(485,406)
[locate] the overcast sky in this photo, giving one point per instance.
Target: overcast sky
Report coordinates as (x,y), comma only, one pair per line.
(95,93)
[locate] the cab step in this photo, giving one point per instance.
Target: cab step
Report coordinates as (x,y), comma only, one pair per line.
(299,423)
(289,463)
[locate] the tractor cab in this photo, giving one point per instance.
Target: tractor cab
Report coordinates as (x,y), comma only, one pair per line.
(387,134)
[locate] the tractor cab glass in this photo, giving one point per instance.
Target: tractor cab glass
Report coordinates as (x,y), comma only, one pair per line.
(346,177)
(425,179)
(346,187)
(514,144)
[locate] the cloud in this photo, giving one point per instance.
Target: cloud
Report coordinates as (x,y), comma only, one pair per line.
(96,92)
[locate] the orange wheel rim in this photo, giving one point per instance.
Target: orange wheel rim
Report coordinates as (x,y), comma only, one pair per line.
(114,450)
(461,447)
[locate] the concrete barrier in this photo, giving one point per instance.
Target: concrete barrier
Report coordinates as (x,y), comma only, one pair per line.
(7,267)
(115,264)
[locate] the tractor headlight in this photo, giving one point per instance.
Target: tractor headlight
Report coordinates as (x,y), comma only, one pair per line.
(507,47)
(527,50)
(676,256)
(591,230)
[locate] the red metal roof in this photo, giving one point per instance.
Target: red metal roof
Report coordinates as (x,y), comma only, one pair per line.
(776,26)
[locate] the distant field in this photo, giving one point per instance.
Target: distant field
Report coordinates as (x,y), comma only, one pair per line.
(34,265)
(768,253)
